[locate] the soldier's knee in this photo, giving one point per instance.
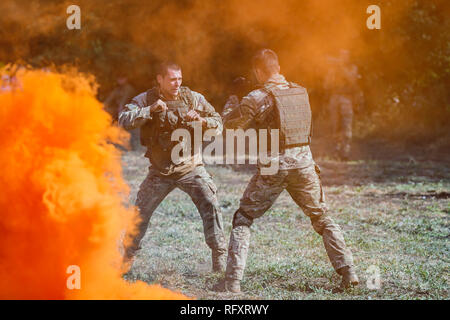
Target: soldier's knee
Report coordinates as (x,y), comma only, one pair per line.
(241,219)
(216,242)
(321,223)
(208,206)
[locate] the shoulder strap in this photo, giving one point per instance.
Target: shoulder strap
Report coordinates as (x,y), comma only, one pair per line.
(269,87)
(294,85)
(187,96)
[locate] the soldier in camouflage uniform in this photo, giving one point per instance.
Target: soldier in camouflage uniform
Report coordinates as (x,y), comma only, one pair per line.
(158,112)
(298,173)
(341,82)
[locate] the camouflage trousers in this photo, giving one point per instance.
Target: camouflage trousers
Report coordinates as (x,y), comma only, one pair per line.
(305,188)
(341,118)
(199,185)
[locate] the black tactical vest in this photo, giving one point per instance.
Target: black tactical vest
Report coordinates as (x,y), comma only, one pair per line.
(159,130)
(292,115)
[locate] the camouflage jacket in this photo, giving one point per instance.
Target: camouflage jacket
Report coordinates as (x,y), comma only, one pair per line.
(231,103)
(137,113)
(249,107)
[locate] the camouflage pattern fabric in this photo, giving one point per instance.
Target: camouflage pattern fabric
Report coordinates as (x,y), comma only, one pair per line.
(231,103)
(305,188)
(298,174)
(203,192)
(190,175)
(136,114)
(248,109)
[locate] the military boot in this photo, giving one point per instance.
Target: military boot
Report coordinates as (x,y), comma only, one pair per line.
(227,285)
(219,286)
(349,277)
(232,285)
(219,261)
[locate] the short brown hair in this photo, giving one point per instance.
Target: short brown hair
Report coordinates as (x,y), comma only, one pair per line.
(165,65)
(266,60)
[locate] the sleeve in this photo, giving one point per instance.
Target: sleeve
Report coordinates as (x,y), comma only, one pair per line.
(135,113)
(232,102)
(244,114)
(207,111)
(127,95)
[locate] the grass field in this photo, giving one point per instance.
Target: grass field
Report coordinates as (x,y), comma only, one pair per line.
(395,216)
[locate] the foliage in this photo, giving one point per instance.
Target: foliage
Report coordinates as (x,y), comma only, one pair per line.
(405,66)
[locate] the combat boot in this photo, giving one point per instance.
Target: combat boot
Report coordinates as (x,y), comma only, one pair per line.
(232,285)
(227,285)
(349,277)
(219,260)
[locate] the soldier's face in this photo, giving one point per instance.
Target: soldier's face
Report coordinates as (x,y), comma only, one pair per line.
(170,83)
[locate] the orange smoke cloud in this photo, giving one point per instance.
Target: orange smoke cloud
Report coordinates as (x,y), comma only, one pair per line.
(62,193)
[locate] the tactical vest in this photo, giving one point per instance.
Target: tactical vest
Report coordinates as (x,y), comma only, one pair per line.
(292,115)
(164,123)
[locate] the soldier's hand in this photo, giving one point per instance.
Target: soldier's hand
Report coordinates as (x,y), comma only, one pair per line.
(193,115)
(158,106)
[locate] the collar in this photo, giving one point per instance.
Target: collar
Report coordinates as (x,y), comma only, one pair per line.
(161,96)
(276,79)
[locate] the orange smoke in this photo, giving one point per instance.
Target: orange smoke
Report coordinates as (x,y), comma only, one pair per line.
(61,193)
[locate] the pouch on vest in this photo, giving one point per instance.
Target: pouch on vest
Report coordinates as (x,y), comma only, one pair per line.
(165,122)
(294,116)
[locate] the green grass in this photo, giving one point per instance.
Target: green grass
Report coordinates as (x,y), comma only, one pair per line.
(395,215)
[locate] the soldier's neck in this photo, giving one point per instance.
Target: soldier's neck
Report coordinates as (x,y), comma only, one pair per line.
(275,77)
(167,97)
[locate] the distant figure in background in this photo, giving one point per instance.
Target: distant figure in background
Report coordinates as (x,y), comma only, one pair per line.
(284,106)
(117,98)
(342,84)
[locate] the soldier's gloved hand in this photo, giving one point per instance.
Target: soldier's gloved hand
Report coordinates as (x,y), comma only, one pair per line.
(158,106)
(193,115)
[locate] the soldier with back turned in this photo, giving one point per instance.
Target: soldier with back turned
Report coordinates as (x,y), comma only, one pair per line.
(286,108)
